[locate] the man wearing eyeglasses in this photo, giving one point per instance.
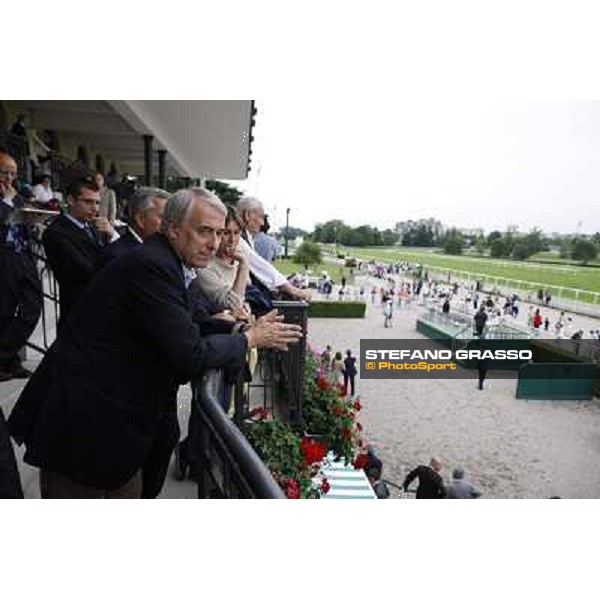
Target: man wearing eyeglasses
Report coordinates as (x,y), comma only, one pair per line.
(9,199)
(20,288)
(74,240)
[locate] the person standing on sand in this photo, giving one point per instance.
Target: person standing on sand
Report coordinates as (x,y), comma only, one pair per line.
(460,489)
(388,313)
(431,484)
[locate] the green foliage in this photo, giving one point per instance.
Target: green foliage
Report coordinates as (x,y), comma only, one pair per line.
(421,236)
(337,310)
(453,242)
(480,244)
(294,459)
(565,248)
(584,250)
(328,414)
(308,254)
(495,235)
(226,192)
(529,245)
(521,251)
(500,248)
(337,231)
(279,447)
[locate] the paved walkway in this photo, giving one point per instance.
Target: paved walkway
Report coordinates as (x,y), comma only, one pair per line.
(9,392)
(510,448)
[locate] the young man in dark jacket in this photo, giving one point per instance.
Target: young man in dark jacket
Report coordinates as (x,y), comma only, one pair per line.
(349,371)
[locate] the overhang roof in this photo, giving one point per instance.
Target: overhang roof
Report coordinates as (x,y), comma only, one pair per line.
(203,138)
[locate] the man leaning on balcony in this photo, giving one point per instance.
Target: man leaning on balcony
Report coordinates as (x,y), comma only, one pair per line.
(107,388)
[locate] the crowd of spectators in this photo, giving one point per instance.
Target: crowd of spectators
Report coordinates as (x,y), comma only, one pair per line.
(143,309)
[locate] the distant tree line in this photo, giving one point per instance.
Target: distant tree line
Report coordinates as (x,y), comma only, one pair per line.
(512,245)
(421,235)
(580,249)
(337,231)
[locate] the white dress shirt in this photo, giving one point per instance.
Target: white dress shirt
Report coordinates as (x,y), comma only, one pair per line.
(42,194)
(259,267)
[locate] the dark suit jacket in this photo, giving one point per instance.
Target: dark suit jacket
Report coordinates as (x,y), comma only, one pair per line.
(72,255)
(117,249)
(431,484)
(20,300)
(92,409)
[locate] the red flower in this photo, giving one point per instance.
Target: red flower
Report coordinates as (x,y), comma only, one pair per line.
(357,405)
(360,461)
(322,383)
(260,413)
(359,426)
(345,433)
(325,486)
(293,489)
(312,450)
(338,411)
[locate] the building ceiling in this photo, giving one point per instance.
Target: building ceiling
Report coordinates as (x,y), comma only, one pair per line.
(203,138)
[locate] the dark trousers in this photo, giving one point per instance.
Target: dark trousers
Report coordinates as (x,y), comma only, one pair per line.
(156,465)
(482,374)
(20,305)
(10,483)
(57,486)
(349,378)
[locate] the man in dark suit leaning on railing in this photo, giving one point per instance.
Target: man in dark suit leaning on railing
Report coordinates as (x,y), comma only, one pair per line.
(107,388)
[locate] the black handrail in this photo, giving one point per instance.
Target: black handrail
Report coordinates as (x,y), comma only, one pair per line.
(226,464)
(279,377)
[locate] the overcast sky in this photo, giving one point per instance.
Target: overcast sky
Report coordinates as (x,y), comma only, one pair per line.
(467,164)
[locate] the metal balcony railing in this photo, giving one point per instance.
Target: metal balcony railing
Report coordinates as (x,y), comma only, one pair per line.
(226,465)
(278,378)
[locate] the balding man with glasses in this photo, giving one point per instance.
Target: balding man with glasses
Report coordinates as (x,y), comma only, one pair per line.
(20,288)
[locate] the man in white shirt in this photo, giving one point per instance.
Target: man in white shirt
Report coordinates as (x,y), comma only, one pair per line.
(252,213)
(42,191)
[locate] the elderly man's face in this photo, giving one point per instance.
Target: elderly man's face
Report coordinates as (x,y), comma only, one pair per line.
(149,221)
(198,238)
(255,219)
(8,169)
